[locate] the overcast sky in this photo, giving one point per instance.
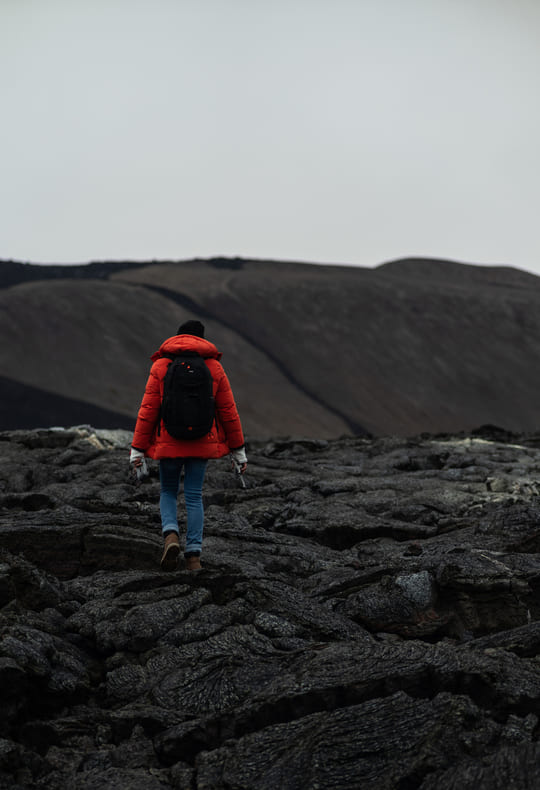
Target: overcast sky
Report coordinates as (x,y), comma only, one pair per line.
(336,131)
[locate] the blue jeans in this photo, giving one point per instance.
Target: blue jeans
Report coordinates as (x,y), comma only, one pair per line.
(169,474)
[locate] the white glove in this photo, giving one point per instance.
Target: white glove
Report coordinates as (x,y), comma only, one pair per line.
(138,461)
(239,463)
(239,455)
(135,455)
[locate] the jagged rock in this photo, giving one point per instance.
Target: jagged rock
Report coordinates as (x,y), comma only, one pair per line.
(511,766)
(367,616)
(379,744)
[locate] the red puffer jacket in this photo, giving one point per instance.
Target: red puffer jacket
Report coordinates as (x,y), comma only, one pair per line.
(226,433)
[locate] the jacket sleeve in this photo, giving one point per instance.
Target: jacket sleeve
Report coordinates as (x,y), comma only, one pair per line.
(227,413)
(148,415)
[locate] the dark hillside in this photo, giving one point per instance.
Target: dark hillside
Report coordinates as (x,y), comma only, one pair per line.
(458,275)
(394,352)
(413,345)
(33,407)
(13,272)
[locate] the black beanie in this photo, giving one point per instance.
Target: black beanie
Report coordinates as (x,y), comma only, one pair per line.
(191,328)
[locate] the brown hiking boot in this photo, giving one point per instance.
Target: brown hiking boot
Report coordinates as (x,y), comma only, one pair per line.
(171,550)
(193,562)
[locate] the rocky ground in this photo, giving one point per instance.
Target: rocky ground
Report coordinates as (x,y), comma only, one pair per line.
(368,616)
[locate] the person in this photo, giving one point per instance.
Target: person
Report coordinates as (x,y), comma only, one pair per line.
(151,439)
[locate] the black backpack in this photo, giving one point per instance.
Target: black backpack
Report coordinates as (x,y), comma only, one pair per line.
(187,407)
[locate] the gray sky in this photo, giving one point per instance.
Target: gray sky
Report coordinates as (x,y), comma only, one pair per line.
(337,131)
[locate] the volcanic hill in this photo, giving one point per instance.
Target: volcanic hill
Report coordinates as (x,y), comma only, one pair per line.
(311,350)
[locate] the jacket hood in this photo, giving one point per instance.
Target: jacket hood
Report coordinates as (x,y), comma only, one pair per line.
(178,343)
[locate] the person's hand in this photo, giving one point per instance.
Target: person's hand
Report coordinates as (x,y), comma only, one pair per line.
(136,458)
(239,459)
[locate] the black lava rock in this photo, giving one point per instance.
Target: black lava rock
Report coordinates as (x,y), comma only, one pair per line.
(367,616)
